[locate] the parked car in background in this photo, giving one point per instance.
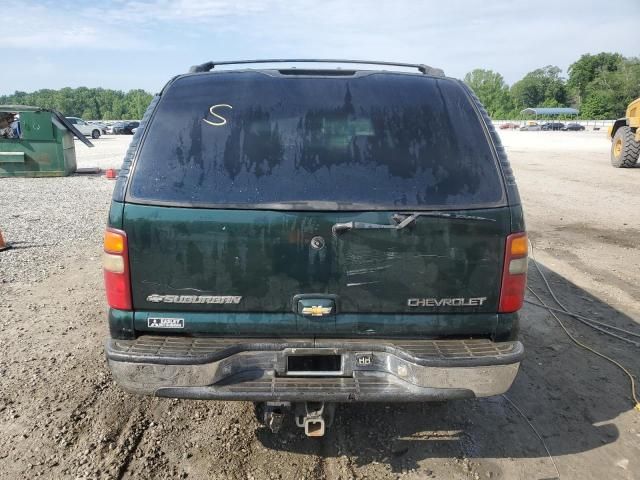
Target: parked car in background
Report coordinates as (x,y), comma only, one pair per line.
(113,125)
(573,126)
(509,125)
(101,125)
(530,126)
(125,128)
(110,126)
(85,128)
(552,126)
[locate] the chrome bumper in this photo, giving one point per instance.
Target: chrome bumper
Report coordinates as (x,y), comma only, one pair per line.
(256,369)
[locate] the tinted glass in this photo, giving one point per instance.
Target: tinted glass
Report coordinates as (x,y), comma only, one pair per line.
(374,141)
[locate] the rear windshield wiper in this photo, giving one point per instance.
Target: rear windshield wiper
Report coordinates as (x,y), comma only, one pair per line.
(403,220)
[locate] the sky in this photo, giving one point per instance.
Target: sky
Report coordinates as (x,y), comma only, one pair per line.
(143,43)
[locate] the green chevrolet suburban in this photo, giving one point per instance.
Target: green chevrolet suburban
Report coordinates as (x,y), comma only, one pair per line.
(300,237)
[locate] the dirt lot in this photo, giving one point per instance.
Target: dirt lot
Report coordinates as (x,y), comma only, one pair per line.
(61,416)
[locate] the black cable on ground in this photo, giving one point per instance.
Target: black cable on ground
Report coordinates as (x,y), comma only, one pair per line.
(589,320)
(576,341)
(517,409)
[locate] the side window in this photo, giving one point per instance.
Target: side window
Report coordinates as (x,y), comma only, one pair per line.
(72,121)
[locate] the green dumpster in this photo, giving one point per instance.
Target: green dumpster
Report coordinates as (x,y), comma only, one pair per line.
(36,142)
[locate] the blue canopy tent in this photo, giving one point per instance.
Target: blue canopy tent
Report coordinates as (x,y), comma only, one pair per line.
(550,112)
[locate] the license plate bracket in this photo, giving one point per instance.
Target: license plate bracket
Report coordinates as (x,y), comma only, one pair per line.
(314,365)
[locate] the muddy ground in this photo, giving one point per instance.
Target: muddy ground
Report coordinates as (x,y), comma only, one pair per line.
(61,416)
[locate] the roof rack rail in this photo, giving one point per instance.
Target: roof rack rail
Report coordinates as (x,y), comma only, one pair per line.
(425,69)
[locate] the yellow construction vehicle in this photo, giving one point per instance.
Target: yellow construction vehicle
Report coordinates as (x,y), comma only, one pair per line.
(625,137)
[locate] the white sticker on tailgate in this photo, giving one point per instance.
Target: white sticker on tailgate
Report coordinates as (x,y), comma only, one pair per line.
(161,322)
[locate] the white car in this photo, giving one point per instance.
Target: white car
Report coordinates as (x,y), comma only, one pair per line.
(85,128)
(101,125)
(531,127)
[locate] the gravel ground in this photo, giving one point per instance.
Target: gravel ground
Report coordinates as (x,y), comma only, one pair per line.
(48,226)
(50,221)
(61,416)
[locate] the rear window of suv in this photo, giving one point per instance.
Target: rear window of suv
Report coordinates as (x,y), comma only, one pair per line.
(259,140)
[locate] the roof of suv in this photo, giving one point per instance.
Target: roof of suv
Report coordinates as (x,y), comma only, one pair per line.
(422,68)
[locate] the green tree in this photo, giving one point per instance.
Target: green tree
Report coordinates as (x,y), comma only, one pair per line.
(542,87)
(88,103)
(136,102)
(609,93)
(596,106)
(492,91)
(588,68)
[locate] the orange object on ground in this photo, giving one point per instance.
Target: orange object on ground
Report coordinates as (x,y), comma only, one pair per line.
(111,174)
(3,245)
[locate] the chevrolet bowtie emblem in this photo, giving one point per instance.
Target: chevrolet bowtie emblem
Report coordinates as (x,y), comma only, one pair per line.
(316,311)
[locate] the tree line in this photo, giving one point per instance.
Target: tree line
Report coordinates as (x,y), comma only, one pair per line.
(600,86)
(87,103)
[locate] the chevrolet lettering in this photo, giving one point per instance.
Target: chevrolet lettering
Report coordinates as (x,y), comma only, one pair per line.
(303,235)
(446,302)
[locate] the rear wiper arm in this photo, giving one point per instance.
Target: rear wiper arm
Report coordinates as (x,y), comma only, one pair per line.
(404,221)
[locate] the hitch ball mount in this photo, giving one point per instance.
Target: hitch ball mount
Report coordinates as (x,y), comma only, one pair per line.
(314,417)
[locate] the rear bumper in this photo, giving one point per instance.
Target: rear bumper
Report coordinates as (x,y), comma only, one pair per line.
(256,369)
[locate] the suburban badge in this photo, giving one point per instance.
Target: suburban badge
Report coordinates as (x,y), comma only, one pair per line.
(155,298)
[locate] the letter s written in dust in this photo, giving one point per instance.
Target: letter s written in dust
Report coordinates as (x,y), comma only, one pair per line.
(223,121)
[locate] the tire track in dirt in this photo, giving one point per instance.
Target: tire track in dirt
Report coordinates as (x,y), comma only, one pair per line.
(336,465)
(129,439)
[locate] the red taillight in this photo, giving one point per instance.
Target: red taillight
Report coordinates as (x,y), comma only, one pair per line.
(115,263)
(514,273)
